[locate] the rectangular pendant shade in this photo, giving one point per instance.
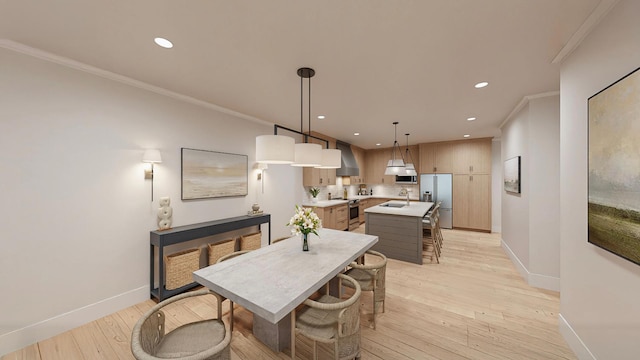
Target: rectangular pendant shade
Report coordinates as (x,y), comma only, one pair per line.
(395,167)
(411,169)
(307,155)
(331,159)
(275,149)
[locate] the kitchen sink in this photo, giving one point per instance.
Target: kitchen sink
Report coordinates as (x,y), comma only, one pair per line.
(393,205)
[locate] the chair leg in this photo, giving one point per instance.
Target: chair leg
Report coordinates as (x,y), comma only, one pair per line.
(315,350)
(374,310)
(231,315)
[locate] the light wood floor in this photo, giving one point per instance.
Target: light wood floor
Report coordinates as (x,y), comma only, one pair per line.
(473,305)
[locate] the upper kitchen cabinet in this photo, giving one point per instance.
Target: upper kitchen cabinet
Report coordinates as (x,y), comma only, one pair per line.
(359,155)
(319,177)
(436,157)
(472,156)
(375,164)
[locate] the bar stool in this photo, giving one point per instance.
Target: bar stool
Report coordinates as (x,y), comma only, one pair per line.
(430,232)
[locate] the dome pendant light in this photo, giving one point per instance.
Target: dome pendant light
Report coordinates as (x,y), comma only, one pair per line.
(395,166)
(306,154)
(411,169)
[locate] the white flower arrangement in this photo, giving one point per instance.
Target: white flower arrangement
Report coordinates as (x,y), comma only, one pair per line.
(304,221)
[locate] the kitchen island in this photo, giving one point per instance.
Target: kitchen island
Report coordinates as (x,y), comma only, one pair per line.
(399,228)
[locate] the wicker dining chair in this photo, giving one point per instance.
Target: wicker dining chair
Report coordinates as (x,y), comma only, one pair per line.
(202,340)
(371,277)
(332,320)
(222,298)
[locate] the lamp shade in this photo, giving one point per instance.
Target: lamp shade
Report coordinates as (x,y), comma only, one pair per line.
(331,159)
(275,149)
(395,167)
(152,156)
(411,169)
(307,155)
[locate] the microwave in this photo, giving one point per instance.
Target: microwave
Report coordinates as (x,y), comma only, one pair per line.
(406,179)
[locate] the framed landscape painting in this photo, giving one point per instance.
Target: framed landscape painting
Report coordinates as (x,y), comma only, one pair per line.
(614,168)
(211,174)
(512,175)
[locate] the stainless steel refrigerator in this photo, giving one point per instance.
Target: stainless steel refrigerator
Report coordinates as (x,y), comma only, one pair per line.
(440,187)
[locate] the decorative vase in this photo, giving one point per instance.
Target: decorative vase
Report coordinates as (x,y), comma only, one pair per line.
(314,199)
(255,207)
(305,243)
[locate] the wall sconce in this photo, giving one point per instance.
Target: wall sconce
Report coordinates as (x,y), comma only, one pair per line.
(261,167)
(151,156)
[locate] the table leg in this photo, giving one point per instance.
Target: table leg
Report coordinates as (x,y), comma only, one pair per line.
(276,336)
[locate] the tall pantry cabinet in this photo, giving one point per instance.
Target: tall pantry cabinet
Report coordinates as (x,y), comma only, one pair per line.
(469,161)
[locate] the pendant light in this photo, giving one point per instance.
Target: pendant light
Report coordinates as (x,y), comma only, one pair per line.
(410,168)
(306,154)
(395,166)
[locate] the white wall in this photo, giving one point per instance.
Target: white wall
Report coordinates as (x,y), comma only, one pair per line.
(600,312)
(76,211)
(530,220)
(515,207)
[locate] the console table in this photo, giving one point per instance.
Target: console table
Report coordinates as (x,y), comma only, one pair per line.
(181,234)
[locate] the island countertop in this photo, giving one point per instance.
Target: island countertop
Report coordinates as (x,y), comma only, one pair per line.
(414,209)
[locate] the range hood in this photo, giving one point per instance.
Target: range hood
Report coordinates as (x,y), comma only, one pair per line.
(349,166)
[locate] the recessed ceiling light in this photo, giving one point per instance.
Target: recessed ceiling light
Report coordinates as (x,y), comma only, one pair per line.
(481,84)
(466,135)
(163,42)
(320,117)
(356,134)
(378,144)
(471,119)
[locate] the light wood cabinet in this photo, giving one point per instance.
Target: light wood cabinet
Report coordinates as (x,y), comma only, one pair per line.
(472,201)
(436,157)
(363,205)
(319,177)
(334,217)
(376,163)
(472,157)
(342,217)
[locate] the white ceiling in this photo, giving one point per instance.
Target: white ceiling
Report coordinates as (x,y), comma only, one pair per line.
(376,61)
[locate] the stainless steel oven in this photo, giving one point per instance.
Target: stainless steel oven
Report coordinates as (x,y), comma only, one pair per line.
(354,214)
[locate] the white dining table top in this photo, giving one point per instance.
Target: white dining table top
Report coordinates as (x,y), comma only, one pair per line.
(273,280)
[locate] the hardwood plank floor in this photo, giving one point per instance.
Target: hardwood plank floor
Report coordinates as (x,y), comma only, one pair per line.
(473,305)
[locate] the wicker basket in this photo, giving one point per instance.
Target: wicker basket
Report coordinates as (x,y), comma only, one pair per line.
(180,266)
(251,241)
(220,249)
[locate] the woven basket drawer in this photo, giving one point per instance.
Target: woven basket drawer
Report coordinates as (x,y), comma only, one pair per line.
(180,266)
(220,249)
(251,241)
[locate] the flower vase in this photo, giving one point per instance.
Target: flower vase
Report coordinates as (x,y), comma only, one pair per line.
(305,243)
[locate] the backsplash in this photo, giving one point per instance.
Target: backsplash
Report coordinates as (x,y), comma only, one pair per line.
(337,191)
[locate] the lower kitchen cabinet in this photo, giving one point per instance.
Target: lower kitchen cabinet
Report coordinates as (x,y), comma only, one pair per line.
(472,202)
(334,217)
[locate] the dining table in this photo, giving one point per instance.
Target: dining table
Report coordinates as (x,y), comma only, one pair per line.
(273,280)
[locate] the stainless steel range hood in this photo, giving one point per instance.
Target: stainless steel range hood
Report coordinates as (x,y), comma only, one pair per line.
(349,165)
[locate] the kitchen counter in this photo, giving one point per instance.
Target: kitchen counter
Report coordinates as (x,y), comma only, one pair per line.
(399,229)
(324,203)
(398,197)
(415,208)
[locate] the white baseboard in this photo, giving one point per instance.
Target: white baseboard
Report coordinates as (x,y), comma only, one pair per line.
(573,340)
(45,329)
(535,280)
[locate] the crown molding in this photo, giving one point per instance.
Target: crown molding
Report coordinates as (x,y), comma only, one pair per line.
(585,29)
(76,65)
(525,100)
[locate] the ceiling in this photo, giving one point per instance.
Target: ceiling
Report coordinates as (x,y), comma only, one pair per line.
(376,61)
